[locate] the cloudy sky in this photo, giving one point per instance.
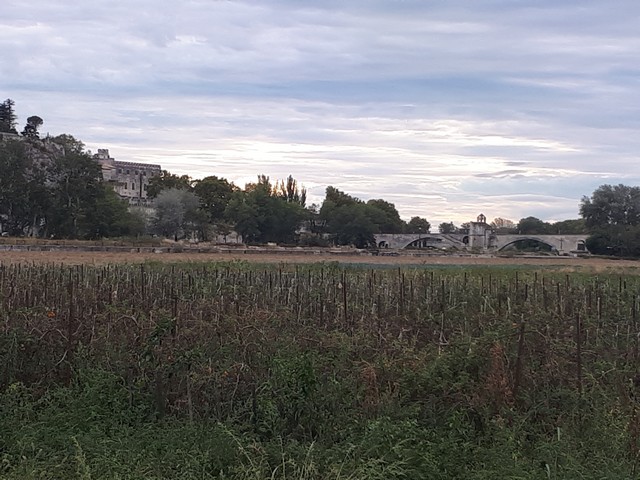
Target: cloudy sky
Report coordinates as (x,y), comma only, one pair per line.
(446,108)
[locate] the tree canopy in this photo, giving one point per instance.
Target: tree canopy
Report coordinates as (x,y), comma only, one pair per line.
(31,128)
(447,227)
(214,194)
(533,226)
(56,189)
(611,205)
(261,214)
(417,225)
(8,117)
(167,180)
(503,225)
(612,217)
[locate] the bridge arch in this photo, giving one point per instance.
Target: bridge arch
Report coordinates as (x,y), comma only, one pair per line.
(552,247)
(424,242)
(418,241)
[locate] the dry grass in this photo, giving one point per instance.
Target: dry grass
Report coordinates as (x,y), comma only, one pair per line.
(103,258)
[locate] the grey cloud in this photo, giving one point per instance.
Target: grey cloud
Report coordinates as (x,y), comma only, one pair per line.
(434,105)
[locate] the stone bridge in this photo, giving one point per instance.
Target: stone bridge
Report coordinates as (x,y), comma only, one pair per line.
(481,239)
(563,244)
(420,240)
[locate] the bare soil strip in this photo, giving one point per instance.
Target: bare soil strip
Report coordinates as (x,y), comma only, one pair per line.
(103,258)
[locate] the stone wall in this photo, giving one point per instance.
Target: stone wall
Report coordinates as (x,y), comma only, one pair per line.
(130,180)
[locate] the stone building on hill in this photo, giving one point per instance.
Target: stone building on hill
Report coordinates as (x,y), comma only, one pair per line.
(129,179)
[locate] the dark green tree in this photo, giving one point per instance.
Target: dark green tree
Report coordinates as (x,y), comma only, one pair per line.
(75,180)
(418,225)
(290,192)
(385,216)
(617,240)
(447,228)
(223,229)
(70,144)
(242,213)
(349,220)
(611,205)
(56,189)
(261,215)
(105,214)
(8,117)
(24,198)
(612,217)
(533,226)
(569,227)
(32,126)
(214,194)
(167,180)
(352,225)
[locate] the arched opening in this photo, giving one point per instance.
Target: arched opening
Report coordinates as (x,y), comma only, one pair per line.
(465,239)
(383,244)
(581,246)
(425,243)
(529,245)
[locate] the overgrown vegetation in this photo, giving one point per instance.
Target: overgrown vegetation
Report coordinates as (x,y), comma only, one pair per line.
(318,372)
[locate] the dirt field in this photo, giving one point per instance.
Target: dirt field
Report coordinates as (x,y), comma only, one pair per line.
(102,258)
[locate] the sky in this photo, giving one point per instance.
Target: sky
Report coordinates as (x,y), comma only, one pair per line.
(447,108)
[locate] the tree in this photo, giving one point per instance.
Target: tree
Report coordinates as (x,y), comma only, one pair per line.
(290,192)
(177,214)
(261,215)
(385,216)
(617,240)
(7,117)
(351,221)
(57,190)
(569,227)
(612,217)
(335,198)
(503,225)
(447,228)
(75,180)
(24,198)
(166,181)
(611,205)
(107,215)
(69,143)
(351,225)
(214,194)
(533,226)
(418,225)
(242,213)
(31,128)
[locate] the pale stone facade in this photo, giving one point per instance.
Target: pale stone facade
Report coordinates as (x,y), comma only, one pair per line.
(130,180)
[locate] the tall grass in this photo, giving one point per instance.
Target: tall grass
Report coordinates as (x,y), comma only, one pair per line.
(239,371)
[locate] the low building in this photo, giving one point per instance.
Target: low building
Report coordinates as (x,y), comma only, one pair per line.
(130,180)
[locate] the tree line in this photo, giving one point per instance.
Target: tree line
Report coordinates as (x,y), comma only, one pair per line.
(54,188)
(266,211)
